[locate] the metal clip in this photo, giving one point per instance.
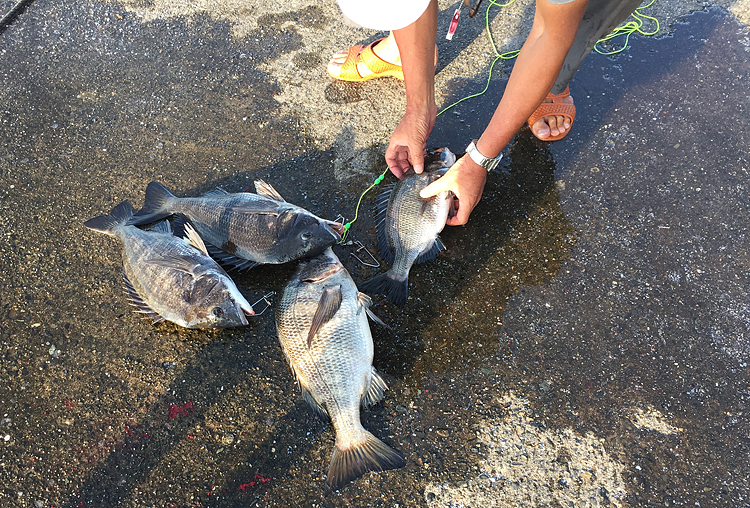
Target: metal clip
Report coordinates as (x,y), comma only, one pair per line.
(362,247)
(473,10)
(264,298)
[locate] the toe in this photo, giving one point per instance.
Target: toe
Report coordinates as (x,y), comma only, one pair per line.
(552,125)
(540,129)
(334,68)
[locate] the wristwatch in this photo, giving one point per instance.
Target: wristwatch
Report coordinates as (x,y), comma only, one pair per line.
(476,156)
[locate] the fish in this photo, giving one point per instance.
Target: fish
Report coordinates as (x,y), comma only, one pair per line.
(408,226)
(246,228)
(168,278)
(323,329)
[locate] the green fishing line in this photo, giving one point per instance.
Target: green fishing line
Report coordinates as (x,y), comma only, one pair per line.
(627,29)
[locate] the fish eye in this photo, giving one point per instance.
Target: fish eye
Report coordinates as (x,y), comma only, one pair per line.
(217,311)
(306,235)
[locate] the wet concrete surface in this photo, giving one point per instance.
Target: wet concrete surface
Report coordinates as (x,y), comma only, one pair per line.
(583,340)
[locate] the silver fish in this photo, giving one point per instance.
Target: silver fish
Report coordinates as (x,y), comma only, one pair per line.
(409,226)
(249,228)
(168,278)
(323,330)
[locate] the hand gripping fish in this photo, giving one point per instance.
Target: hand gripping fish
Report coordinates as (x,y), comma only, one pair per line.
(249,228)
(409,226)
(168,278)
(323,330)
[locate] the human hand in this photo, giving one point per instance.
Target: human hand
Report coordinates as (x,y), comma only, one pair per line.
(408,143)
(466,180)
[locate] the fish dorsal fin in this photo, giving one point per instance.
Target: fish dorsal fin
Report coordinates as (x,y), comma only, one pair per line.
(431,252)
(137,302)
(182,263)
(265,189)
(375,391)
(328,306)
(193,238)
(215,193)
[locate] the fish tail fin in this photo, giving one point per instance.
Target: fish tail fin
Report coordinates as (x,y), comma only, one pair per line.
(396,288)
(154,205)
(369,454)
(119,216)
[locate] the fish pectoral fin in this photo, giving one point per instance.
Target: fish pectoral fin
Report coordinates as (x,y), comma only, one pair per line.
(265,189)
(431,252)
(328,306)
(137,302)
(194,239)
(227,259)
(364,302)
(185,264)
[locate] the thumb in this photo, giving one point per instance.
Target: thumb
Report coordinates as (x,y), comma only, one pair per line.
(417,160)
(433,189)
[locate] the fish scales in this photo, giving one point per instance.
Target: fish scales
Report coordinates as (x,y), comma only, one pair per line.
(221,223)
(333,362)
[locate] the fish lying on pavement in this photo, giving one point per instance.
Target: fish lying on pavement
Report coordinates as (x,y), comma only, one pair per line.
(168,278)
(409,226)
(323,329)
(249,228)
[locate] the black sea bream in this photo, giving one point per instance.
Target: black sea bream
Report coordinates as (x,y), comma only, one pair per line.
(249,228)
(168,278)
(409,226)
(324,332)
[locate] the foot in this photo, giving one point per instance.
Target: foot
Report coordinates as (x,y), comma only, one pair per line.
(386,50)
(551,126)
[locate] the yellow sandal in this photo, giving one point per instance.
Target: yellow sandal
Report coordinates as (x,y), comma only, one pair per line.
(377,66)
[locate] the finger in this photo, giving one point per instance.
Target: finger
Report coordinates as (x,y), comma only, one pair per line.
(434,188)
(396,171)
(392,156)
(417,161)
(461,218)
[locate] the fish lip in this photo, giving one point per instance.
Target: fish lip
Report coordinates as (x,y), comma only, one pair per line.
(242,313)
(336,228)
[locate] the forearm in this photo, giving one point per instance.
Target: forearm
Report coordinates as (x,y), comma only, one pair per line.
(535,71)
(416,44)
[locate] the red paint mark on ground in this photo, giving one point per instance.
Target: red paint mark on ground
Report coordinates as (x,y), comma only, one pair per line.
(68,404)
(183,410)
(258,479)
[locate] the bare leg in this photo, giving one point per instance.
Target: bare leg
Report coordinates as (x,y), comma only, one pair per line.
(601,17)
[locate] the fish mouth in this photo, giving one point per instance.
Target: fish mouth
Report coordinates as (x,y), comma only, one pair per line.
(242,312)
(336,228)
